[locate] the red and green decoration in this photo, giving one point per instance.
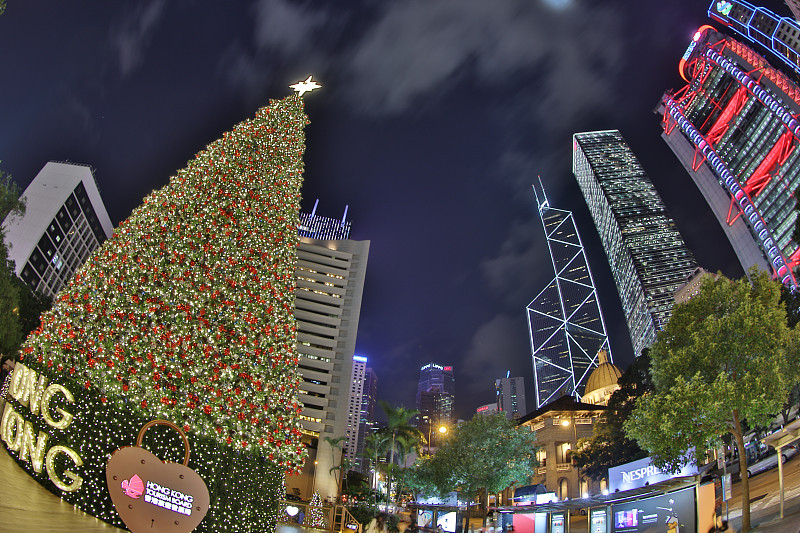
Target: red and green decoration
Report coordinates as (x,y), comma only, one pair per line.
(187,315)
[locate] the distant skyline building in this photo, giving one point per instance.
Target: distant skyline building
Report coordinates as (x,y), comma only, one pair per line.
(565,322)
(487,410)
(65,220)
(330,283)
(366,423)
(352,434)
(647,255)
(734,127)
(435,398)
(510,394)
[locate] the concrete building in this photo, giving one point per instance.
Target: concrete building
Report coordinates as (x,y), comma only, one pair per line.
(330,282)
(65,220)
(692,285)
(558,427)
(645,250)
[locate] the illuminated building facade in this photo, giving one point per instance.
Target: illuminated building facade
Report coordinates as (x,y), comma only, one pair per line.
(351,434)
(734,129)
(330,282)
(565,322)
(774,33)
(65,220)
(316,227)
(647,255)
(366,424)
(435,396)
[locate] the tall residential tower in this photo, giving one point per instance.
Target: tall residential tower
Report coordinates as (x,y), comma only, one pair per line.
(647,255)
(565,322)
(330,281)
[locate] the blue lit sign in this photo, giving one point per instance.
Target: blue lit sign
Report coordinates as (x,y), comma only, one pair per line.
(359,358)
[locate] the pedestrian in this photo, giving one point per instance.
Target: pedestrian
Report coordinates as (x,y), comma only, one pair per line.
(6,370)
(377,524)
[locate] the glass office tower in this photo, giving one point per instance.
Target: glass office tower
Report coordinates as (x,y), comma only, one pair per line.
(647,255)
(565,322)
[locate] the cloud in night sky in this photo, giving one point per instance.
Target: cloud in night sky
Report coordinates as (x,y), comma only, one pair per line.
(131,37)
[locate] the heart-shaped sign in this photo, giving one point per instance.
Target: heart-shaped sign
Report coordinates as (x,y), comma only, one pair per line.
(154,496)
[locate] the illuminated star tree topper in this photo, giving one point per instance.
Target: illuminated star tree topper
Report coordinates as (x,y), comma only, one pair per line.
(305,86)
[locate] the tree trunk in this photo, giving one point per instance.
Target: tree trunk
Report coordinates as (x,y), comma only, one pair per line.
(737,434)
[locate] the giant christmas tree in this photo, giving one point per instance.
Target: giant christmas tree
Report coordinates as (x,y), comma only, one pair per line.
(186,314)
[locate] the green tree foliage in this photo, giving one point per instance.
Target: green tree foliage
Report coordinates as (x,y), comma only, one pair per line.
(486,453)
(19,306)
(403,437)
(726,354)
(609,445)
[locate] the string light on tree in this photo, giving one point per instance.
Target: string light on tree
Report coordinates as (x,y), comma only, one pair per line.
(186,314)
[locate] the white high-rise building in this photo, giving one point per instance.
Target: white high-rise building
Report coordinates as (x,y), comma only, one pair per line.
(354,407)
(330,281)
(64,221)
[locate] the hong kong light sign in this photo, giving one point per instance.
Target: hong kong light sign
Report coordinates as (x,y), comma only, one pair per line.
(151,495)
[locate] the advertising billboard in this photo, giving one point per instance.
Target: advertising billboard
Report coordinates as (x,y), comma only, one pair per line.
(673,512)
(640,473)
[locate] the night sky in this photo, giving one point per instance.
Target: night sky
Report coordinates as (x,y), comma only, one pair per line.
(434,119)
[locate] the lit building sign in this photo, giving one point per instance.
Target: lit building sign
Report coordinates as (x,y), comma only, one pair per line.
(724,8)
(359,358)
(448,369)
(482,409)
(21,436)
(640,473)
(434,366)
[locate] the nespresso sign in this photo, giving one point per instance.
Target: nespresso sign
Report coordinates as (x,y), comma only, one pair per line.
(640,473)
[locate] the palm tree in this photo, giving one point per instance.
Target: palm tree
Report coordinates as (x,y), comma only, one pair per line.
(398,424)
(334,444)
(406,444)
(375,445)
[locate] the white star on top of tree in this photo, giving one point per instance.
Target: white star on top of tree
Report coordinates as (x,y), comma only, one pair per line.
(302,87)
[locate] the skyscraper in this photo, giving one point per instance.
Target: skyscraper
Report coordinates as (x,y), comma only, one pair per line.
(361,410)
(65,220)
(565,322)
(330,281)
(435,396)
(354,407)
(734,127)
(369,399)
(511,396)
(647,255)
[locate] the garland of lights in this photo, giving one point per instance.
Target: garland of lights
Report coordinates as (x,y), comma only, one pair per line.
(185,314)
